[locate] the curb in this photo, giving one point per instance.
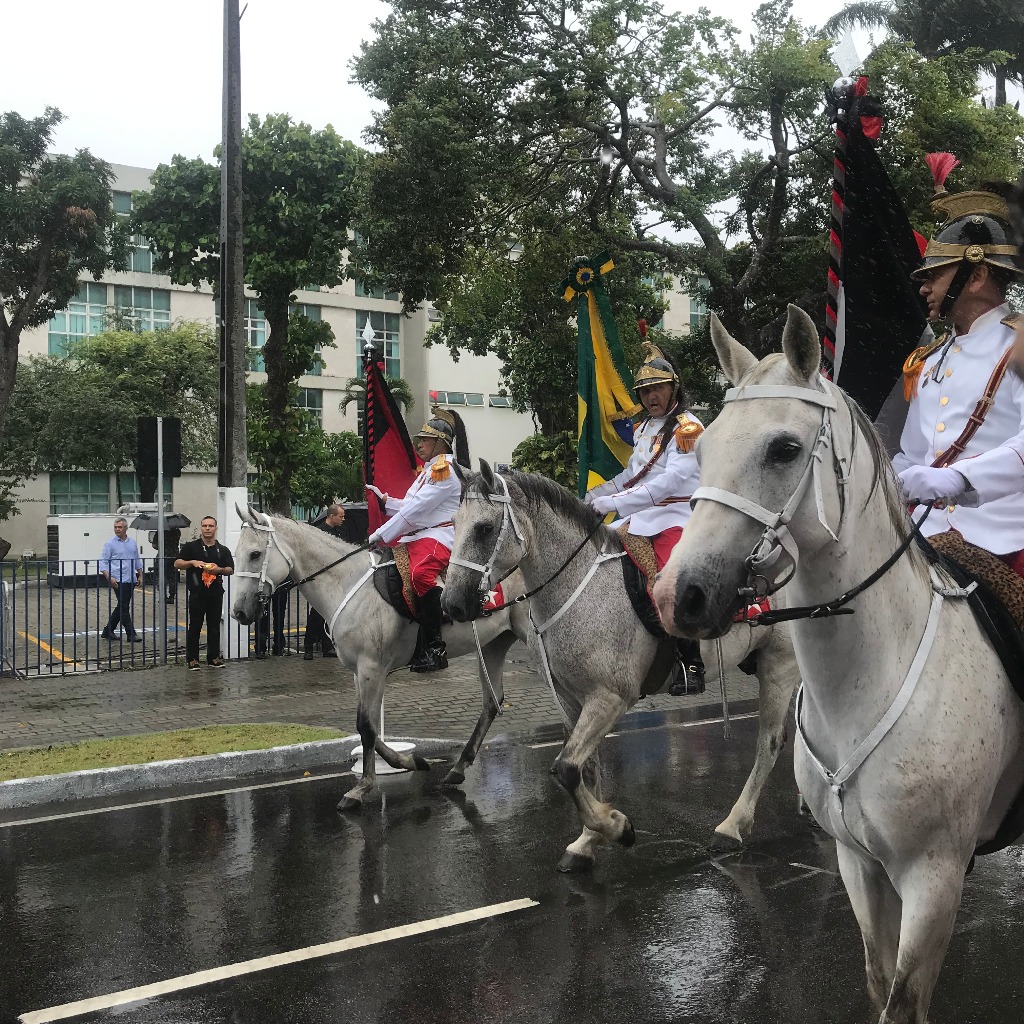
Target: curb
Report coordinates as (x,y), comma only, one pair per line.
(103,782)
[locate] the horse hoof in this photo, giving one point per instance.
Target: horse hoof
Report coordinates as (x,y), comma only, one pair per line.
(350,803)
(575,863)
(722,843)
(453,778)
(422,764)
(628,837)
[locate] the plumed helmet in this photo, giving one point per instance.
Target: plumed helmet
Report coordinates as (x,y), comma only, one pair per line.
(657,369)
(447,425)
(976,229)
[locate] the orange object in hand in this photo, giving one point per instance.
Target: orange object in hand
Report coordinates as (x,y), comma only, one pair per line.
(208,575)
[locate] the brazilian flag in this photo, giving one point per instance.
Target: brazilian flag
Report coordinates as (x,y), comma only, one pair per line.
(604,383)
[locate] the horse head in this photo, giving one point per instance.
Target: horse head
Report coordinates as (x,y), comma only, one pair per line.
(261,565)
(753,514)
(489,543)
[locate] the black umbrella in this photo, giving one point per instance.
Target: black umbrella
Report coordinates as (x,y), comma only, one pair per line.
(151,521)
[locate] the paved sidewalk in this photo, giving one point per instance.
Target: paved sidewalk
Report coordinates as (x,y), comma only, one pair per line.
(53,709)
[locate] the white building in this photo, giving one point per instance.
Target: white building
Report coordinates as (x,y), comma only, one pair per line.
(472,385)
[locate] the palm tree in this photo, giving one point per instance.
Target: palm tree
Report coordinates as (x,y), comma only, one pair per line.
(355,391)
(938,27)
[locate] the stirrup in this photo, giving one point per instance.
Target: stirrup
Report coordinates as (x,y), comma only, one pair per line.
(691,683)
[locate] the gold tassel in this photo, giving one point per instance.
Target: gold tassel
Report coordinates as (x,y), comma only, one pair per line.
(686,434)
(440,469)
(914,366)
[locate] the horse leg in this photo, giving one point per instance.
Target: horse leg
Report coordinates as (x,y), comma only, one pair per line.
(877,907)
(777,677)
(931,897)
(598,716)
(494,660)
(370,690)
(580,855)
(410,762)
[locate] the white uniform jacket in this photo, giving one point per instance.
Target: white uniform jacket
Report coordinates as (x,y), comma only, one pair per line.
(662,498)
(949,388)
(432,499)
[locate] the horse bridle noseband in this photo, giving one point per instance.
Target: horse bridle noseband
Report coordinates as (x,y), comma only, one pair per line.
(776,538)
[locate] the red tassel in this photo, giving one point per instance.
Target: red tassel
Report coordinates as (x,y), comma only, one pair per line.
(941,165)
(641,326)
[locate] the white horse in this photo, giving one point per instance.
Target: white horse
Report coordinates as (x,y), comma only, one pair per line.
(372,639)
(598,655)
(910,747)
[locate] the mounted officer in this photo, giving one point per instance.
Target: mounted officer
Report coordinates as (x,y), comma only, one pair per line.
(962,446)
(653,492)
(423,521)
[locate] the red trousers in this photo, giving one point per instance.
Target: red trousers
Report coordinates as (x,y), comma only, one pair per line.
(1015,560)
(427,560)
(664,542)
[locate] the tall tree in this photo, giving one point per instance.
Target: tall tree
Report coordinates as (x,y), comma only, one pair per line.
(57,224)
(297,200)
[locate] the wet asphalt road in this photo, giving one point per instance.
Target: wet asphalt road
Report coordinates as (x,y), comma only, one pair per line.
(663,932)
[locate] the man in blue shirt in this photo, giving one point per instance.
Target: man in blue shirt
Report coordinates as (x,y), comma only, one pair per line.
(121,567)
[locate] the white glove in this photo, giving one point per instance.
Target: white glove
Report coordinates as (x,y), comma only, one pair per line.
(927,483)
(375,540)
(608,487)
(383,495)
(603,505)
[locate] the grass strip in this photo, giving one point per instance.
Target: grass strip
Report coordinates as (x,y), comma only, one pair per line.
(29,762)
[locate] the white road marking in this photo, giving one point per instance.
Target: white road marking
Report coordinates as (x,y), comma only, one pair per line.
(172,800)
(654,728)
(264,963)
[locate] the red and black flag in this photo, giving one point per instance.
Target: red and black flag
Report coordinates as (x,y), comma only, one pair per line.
(389,459)
(875,316)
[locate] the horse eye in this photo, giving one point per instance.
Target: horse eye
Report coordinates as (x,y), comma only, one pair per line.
(253,555)
(484,530)
(783,449)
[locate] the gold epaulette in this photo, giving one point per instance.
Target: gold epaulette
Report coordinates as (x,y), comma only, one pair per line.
(686,433)
(914,365)
(440,469)
(1011,319)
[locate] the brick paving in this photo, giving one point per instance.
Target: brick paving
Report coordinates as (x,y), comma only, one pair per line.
(41,710)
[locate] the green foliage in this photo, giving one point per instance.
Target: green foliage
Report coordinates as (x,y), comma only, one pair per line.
(554,456)
(298,194)
(79,412)
(57,224)
(355,391)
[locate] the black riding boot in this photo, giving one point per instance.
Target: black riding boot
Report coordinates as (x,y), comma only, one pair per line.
(688,653)
(434,656)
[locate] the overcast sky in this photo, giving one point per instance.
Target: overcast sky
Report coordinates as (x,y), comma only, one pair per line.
(140,80)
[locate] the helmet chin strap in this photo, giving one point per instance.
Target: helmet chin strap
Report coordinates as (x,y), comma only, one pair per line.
(956,286)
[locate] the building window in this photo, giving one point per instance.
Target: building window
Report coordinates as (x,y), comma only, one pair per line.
(85,316)
(698,305)
(79,492)
(312,400)
(140,258)
(364,291)
(130,488)
(456,398)
(433,315)
(499,401)
(312,313)
(146,309)
(255,335)
(386,327)
(472,399)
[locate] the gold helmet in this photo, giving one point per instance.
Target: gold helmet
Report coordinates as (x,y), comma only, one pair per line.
(441,424)
(655,370)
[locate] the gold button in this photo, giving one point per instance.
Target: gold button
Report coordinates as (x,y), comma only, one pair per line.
(941,427)
(957,348)
(949,373)
(939,453)
(944,400)
(951,508)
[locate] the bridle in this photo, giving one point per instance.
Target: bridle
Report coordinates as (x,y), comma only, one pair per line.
(508,521)
(776,538)
(263,595)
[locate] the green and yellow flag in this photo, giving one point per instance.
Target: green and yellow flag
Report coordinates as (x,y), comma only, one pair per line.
(604,383)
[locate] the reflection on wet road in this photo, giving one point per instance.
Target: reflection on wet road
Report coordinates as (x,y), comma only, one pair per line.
(99,904)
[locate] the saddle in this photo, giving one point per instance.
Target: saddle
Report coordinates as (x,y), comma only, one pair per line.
(998,606)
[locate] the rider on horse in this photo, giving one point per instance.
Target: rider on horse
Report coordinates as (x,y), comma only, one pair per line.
(653,491)
(962,446)
(423,521)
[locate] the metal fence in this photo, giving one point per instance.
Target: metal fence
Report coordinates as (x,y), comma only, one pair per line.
(52,615)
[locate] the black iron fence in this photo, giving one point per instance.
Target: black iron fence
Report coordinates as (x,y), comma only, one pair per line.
(62,617)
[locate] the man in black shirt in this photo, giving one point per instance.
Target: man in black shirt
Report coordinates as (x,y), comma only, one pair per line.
(316,628)
(205,561)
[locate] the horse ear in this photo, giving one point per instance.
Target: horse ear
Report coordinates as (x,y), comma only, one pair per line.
(487,475)
(241,515)
(736,360)
(253,514)
(461,476)
(800,343)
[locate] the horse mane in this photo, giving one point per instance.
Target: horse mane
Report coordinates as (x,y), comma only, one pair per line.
(541,491)
(882,472)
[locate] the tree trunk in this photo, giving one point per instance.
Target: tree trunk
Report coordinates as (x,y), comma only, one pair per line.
(277,489)
(1000,86)
(9,340)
